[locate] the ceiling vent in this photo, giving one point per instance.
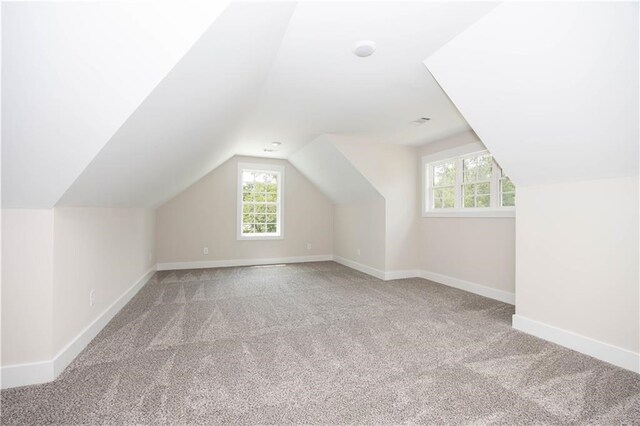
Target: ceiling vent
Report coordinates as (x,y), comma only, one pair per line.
(420,121)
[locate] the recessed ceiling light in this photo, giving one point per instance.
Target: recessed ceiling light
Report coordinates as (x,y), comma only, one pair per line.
(276,143)
(364,48)
(270,150)
(420,121)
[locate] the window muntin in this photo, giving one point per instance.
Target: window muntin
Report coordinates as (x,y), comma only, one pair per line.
(444,182)
(469,183)
(260,201)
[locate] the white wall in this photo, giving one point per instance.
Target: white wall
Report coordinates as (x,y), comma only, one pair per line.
(393,171)
(205,215)
(51,259)
(360,226)
(101,249)
(27,285)
(567,72)
(477,250)
(577,259)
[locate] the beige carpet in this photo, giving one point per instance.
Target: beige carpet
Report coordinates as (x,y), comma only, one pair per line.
(320,343)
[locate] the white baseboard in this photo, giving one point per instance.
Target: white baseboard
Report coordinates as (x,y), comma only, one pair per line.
(400,275)
(172,266)
(603,351)
(491,293)
(26,374)
(360,267)
(46,371)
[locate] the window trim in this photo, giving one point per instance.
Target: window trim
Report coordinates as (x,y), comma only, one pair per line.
(261,167)
(459,153)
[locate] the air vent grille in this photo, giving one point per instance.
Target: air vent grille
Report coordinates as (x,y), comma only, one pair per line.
(420,121)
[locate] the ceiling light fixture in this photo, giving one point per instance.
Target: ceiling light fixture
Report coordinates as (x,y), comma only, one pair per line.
(270,150)
(364,48)
(276,143)
(420,121)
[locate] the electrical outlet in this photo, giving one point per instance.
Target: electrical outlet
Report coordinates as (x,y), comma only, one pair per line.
(92,297)
(205,250)
(308,246)
(358,252)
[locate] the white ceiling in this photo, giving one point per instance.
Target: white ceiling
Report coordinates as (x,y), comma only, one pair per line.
(264,71)
(72,73)
(316,85)
(550,88)
(188,125)
(327,168)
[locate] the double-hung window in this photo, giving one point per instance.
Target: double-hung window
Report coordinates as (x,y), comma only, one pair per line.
(471,184)
(260,201)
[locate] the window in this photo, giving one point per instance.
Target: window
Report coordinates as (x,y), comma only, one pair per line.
(470,184)
(260,201)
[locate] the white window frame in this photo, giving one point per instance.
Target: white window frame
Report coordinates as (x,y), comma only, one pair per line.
(459,154)
(267,168)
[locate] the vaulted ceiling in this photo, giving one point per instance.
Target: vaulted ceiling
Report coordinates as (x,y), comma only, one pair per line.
(127,104)
(109,117)
(551,88)
(72,74)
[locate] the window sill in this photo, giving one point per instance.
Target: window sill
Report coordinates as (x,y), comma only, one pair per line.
(260,237)
(473,213)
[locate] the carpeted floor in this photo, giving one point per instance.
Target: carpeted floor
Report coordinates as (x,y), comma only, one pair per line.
(320,343)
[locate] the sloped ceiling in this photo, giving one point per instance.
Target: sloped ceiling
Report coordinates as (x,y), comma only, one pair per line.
(263,72)
(72,73)
(317,86)
(327,168)
(550,88)
(189,124)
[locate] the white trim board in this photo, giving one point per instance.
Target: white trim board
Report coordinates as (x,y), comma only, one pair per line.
(491,293)
(172,266)
(46,371)
(603,351)
(377,273)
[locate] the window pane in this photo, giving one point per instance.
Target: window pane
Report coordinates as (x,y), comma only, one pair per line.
(248,228)
(444,174)
(484,167)
(260,228)
(508,200)
(272,187)
(443,198)
(247,177)
(482,188)
(469,169)
(247,197)
(259,197)
(271,218)
(248,218)
(271,208)
(468,195)
(476,168)
(271,197)
(271,227)
(261,208)
(483,201)
(507,185)
(247,208)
